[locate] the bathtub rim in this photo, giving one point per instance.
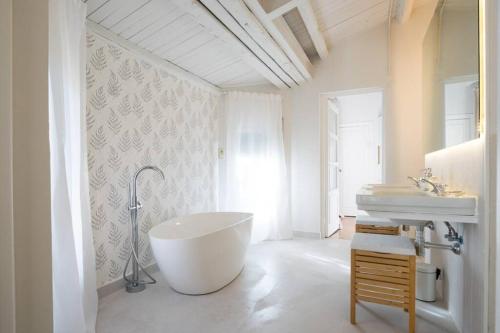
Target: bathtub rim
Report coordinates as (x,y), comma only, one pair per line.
(151,231)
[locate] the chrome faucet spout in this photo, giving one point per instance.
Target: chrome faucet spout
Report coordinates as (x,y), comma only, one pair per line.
(415,180)
(148,167)
(134,203)
(438,189)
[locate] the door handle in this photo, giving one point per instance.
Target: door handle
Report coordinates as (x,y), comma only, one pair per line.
(378,154)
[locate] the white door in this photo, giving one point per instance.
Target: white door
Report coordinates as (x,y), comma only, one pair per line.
(459,128)
(360,162)
(333,170)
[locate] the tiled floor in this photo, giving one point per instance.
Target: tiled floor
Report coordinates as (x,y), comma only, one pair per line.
(286,287)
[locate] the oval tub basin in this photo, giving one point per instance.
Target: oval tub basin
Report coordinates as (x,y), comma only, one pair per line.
(201,253)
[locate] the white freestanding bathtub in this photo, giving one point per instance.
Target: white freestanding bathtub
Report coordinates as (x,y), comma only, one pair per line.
(201,253)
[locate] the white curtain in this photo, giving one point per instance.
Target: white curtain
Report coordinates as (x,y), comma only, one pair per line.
(256,175)
(73,262)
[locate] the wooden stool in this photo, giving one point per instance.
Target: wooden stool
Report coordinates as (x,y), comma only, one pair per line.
(375,225)
(383,272)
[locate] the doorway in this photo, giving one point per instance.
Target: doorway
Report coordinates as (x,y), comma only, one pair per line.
(461,106)
(352,151)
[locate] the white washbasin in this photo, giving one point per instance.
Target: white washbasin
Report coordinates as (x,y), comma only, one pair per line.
(402,192)
(408,199)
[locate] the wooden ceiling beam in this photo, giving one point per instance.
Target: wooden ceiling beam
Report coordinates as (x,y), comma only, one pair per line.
(283,9)
(308,16)
(311,23)
(213,26)
(258,32)
(284,36)
(243,24)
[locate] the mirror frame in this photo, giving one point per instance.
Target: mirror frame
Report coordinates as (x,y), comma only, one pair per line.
(482,68)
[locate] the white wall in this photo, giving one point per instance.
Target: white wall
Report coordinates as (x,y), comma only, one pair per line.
(31,167)
(462,167)
(404,118)
(358,62)
(7,287)
(493,159)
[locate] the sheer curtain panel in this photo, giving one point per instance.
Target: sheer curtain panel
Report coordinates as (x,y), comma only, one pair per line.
(256,175)
(73,265)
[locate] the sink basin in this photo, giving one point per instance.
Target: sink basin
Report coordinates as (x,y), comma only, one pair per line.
(389,187)
(408,199)
(384,189)
(388,192)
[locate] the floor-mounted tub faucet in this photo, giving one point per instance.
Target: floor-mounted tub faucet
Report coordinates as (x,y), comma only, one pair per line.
(134,284)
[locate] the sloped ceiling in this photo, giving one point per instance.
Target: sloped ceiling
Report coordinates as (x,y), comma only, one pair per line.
(174,35)
(161,28)
(337,19)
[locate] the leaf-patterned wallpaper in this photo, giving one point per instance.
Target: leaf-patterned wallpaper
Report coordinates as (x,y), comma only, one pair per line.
(140,114)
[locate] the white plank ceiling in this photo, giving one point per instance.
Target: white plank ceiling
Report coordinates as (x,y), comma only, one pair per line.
(176,36)
(161,28)
(337,19)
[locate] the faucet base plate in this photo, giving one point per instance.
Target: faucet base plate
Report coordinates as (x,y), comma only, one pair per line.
(134,287)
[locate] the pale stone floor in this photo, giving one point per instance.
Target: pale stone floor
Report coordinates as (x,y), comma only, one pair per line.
(292,286)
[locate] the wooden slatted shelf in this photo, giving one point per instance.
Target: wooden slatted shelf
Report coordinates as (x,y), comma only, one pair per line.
(383,278)
(375,229)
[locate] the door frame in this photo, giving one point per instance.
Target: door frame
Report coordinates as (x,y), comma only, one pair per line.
(323,134)
(327,181)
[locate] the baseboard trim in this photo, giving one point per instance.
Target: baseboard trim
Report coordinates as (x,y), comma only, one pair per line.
(436,313)
(114,286)
(306,234)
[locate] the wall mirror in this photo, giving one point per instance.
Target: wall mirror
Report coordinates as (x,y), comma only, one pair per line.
(450,67)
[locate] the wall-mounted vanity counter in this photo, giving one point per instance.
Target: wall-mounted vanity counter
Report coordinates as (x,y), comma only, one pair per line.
(404,204)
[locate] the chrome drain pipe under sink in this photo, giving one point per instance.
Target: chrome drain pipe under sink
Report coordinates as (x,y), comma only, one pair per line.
(452,236)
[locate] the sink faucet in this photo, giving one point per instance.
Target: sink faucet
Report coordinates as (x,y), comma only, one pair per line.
(426,174)
(415,180)
(438,189)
